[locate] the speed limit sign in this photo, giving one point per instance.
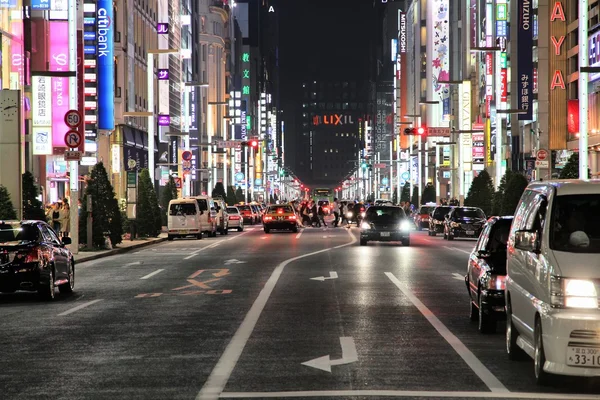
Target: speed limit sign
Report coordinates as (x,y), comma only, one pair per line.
(72,118)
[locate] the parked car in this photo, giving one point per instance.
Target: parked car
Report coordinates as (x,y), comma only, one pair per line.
(249,215)
(464,222)
(553,279)
(222,217)
(33,258)
(437,219)
(486,274)
(236,220)
(208,213)
(421,217)
(185,219)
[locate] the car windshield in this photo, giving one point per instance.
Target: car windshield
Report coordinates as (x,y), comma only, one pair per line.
(384,214)
(280,209)
(425,209)
(232,210)
(469,213)
(182,209)
(440,212)
(10,233)
(576,224)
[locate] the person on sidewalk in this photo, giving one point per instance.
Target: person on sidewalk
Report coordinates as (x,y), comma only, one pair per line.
(65,219)
(56,217)
(336,212)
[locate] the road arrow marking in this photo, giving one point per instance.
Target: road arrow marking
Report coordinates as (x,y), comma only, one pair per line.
(332,275)
(132,263)
(349,355)
(234,261)
(458,276)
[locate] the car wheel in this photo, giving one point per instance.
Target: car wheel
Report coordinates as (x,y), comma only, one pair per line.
(70,285)
(432,233)
(295,229)
(539,358)
(450,237)
(226,232)
(267,230)
(406,242)
(46,291)
(512,349)
(363,242)
(487,324)
(199,236)
(240,229)
(473,312)
(170,238)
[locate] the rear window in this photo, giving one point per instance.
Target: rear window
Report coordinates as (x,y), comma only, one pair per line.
(182,209)
(18,233)
(426,210)
(232,210)
(280,209)
(440,212)
(202,204)
(469,213)
(244,208)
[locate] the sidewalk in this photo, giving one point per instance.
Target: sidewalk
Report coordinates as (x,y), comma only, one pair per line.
(125,246)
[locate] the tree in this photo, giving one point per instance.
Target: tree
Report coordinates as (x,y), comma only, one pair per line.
(219,191)
(405,194)
(169,193)
(429,194)
(481,192)
(512,194)
(239,195)
(231,199)
(149,222)
(32,206)
(571,168)
(105,209)
(414,200)
(7,211)
(499,195)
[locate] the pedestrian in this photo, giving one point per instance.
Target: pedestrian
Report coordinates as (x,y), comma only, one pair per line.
(305,213)
(336,212)
(321,214)
(314,215)
(65,219)
(56,217)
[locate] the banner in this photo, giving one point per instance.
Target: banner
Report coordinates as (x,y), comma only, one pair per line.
(525,60)
(106,65)
(573,116)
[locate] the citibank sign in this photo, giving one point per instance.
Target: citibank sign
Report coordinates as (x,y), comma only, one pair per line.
(105,65)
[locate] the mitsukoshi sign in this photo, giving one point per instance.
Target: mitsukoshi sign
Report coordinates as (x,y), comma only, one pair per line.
(105,63)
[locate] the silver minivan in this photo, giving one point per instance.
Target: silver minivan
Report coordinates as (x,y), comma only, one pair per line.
(553,279)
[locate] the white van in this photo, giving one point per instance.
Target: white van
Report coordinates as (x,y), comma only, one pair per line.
(208,214)
(553,279)
(184,219)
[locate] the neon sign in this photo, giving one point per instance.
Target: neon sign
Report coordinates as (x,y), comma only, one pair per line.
(332,119)
(557,77)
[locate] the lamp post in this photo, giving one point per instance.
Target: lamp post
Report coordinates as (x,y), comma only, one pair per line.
(455,153)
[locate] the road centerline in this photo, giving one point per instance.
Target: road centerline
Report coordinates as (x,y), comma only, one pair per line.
(219,376)
(473,362)
(79,307)
(151,274)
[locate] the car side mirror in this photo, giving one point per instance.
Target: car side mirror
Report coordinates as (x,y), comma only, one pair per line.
(527,241)
(66,240)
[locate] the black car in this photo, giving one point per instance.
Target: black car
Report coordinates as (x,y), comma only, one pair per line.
(437,219)
(385,224)
(486,274)
(466,222)
(33,258)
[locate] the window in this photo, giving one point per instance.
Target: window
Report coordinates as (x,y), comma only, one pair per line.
(182,209)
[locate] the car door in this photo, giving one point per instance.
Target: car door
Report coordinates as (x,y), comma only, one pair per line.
(475,261)
(58,253)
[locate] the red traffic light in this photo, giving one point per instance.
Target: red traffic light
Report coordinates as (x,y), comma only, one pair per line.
(254,143)
(420,130)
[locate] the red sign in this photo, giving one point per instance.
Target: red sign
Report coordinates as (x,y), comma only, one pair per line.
(177,182)
(503,85)
(573,116)
(488,63)
(541,155)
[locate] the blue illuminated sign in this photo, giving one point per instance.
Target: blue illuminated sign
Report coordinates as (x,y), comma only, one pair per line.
(89,49)
(40,4)
(87,35)
(89,20)
(105,66)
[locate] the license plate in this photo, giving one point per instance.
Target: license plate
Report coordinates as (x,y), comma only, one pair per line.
(385,234)
(470,233)
(583,357)
(280,218)
(184,231)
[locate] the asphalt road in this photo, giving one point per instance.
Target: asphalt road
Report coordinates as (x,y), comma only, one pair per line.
(240,316)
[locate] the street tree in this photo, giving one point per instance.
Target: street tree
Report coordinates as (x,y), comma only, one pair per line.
(239,195)
(106,214)
(415,196)
(429,194)
(7,211)
(32,207)
(219,191)
(149,222)
(405,194)
(231,200)
(481,192)
(512,194)
(499,194)
(571,168)
(169,192)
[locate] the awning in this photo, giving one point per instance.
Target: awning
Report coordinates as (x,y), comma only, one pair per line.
(128,136)
(145,140)
(139,141)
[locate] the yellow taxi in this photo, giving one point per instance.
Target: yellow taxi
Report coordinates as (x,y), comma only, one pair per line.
(280,216)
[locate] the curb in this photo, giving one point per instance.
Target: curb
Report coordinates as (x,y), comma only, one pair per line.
(120,250)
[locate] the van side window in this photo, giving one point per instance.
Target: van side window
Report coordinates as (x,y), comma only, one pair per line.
(202,204)
(522,211)
(483,238)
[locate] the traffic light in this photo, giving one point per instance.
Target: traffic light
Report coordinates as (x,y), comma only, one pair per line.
(254,143)
(364,165)
(409,131)
(420,131)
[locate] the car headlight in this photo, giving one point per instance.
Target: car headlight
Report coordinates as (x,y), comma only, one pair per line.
(365,225)
(362,214)
(454,224)
(573,293)
(349,214)
(405,226)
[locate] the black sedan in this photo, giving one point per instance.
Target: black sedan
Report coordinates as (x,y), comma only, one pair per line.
(385,224)
(486,274)
(437,218)
(33,258)
(465,222)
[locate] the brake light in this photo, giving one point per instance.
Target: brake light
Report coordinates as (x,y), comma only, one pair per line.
(279,211)
(234,217)
(292,217)
(267,218)
(31,256)
(497,282)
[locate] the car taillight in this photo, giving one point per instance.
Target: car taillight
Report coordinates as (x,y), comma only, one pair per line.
(30,256)
(497,282)
(267,218)
(292,217)
(234,217)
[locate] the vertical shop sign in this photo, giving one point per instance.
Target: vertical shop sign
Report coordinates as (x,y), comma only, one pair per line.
(106,65)
(525,59)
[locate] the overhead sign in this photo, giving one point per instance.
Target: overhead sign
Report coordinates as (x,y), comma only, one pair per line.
(438,131)
(73,118)
(229,144)
(73,139)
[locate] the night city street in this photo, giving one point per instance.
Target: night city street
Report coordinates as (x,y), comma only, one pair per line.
(245,311)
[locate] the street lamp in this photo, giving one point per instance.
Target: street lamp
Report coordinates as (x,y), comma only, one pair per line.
(426,167)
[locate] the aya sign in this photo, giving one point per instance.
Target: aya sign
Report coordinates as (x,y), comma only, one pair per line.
(558,13)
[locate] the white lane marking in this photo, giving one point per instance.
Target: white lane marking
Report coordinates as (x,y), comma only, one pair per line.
(427,240)
(457,249)
(264,237)
(473,362)
(133,263)
(332,275)
(458,276)
(299,234)
(406,393)
(220,374)
(349,356)
(79,307)
(151,274)
(212,246)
